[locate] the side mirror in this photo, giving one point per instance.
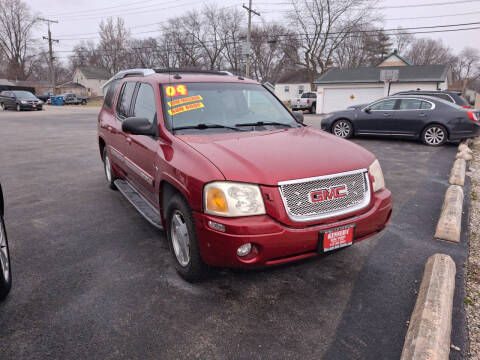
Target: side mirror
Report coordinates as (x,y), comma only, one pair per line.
(138,126)
(367,110)
(298,115)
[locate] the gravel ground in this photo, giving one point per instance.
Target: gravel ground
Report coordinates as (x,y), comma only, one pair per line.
(472,301)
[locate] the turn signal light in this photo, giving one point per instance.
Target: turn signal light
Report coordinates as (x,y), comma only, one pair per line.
(472,116)
(216,201)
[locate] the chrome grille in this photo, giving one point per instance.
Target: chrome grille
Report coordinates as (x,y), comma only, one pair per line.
(296,195)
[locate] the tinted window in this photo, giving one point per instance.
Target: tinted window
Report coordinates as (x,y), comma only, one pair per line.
(123,106)
(442,96)
(426,105)
(384,105)
(145,103)
(110,95)
(410,104)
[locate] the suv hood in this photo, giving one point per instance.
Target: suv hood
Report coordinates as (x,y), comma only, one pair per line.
(268,157)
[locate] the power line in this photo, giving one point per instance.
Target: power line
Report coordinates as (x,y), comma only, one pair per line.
(100,9)
(434,16)
(393,6)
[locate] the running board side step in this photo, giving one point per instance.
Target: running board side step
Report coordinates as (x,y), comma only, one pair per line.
(138,201)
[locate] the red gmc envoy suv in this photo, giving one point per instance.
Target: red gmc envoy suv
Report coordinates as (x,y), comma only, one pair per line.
(234,178)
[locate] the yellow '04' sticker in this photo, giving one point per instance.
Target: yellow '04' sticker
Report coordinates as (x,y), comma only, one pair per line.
(184,108)
(185,100)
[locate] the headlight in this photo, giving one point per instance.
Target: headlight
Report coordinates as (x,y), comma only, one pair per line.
(376,171)
(233,199)
(23,101)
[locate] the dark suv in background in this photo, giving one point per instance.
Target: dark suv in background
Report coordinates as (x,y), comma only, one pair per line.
(449,95)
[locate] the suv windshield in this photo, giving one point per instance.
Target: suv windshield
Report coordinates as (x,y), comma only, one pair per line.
(24,95)
(224,106)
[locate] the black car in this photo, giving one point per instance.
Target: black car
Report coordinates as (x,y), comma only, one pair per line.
(19,100)
(5,271)
(449,95)
(430,119)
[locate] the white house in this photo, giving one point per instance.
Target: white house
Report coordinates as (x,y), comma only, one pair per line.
(339,88)
(292,85)
(91,78)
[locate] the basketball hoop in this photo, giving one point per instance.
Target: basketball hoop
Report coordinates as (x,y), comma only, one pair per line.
(389,75)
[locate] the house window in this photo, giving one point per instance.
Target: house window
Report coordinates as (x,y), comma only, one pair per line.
(301,89)
(287,88)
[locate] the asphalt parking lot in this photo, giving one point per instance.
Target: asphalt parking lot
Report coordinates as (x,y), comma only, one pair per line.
(92,278)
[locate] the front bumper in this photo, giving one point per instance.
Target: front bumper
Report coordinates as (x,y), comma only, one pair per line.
(30,107)
(277,243)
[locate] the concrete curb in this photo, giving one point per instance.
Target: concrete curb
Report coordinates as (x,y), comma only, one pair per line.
(457,175)
(449,225)
(428,335)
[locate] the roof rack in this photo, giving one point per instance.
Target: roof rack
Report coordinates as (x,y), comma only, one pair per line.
(192,71)
(128,72)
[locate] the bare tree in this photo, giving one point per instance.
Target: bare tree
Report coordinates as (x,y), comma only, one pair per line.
(269,53)
(427,51)
(143,53)
(16,24)
(366,46)
(84,54)
(183,44)
(231,33)
(402,40)
(113,46)
(322,26)
(466,65)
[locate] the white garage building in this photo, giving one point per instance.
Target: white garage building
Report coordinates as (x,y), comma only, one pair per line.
(339,88)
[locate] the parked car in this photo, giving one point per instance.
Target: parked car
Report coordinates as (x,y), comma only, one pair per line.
(308,101)
(5,268)
(430,119)
(45,97)
(448,95)
(73,99)
(239,182)
(20,100)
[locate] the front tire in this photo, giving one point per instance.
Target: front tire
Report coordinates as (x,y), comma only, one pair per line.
(4,107)
(313,109)
(183,242)
(434,135)
(342,128)
(5,268)
(19,108)
(107,167)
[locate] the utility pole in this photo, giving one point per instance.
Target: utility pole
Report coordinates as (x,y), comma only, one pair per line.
(50,51)
(249,34)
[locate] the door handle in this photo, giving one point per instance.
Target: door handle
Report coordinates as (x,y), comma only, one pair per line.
(422,114)
(386,114)
(109,128)
(129,140)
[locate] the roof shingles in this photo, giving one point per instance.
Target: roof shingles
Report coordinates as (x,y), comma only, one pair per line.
(94,73)
(414,73)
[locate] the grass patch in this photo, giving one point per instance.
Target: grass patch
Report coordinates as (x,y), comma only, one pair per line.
(474,195)
(96,102)
(467,301)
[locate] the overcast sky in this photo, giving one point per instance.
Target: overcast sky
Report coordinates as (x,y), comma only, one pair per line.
(80,18)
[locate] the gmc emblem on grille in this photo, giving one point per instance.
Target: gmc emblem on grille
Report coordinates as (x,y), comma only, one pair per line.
(335,192)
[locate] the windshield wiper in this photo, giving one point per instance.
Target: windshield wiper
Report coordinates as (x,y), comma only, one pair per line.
(203,126)
(261,123)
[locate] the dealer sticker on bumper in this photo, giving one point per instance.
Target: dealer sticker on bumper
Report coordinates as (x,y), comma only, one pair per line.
(336,238)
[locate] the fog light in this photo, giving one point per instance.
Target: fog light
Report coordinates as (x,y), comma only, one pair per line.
(244,250)
(216,226)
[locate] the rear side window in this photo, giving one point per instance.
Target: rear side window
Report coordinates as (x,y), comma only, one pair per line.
(123,105)
(145,103)
(384,105)
(410,104)
(442,96)
(426,105)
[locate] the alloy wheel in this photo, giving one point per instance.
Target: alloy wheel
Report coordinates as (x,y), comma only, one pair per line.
(342,129)
(18,108)
(434,135)
(180,238)
(4,262)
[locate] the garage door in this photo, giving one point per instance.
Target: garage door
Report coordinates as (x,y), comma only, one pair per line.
(340,98)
